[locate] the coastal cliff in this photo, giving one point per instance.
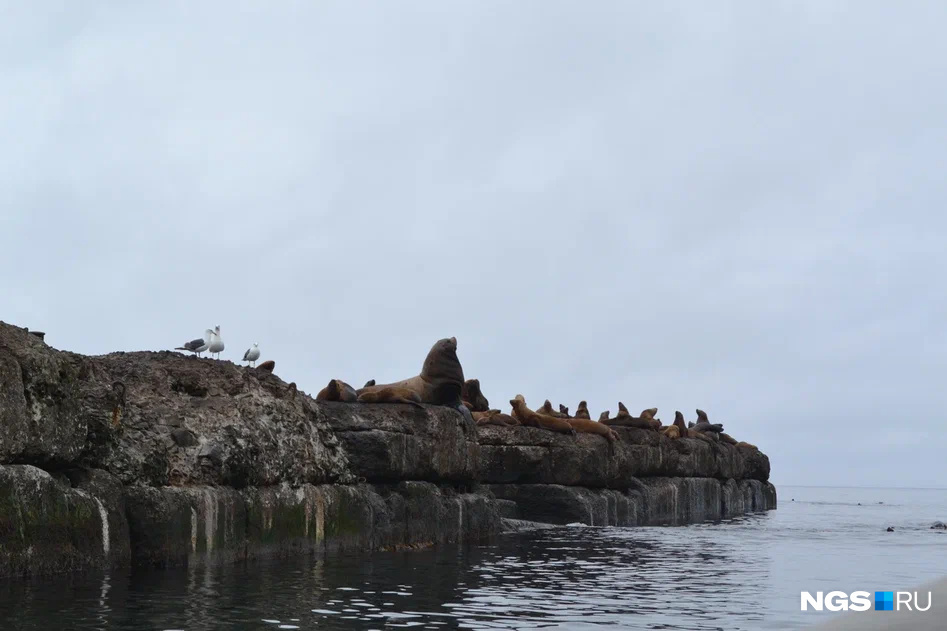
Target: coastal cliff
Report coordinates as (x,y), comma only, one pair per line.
(161,459)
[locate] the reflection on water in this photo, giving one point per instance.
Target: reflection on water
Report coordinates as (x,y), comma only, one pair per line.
(741,574)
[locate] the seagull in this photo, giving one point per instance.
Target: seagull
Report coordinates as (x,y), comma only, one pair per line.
(216,343)
(195,346)
(252,354)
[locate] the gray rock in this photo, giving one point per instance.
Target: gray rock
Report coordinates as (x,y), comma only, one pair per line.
(159,459)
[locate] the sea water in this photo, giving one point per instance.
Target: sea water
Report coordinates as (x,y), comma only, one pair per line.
(745,573)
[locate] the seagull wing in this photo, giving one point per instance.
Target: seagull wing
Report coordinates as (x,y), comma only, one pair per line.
(246,356)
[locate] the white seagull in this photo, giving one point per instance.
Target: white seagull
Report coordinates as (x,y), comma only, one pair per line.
(215,342)
(252,354)
(197,346)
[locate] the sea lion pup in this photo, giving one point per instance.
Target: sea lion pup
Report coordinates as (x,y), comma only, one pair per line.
(441,380)
(266,366)
(564,411)
(337,390)
(583,411)
(672,431)
(391,394)
(369,383)
(471,393)
(548,411)
(603,416)
(527,417)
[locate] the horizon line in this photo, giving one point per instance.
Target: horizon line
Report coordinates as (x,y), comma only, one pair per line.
(850,486)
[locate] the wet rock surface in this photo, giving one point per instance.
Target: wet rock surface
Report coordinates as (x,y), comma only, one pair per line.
(161,459)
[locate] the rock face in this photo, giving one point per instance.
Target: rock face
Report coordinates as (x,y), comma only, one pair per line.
(160,459)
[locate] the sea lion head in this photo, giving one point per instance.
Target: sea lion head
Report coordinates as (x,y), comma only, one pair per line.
(563,409)
(603,416)
(678,417)
(702,416)
(649,412)
(583,405)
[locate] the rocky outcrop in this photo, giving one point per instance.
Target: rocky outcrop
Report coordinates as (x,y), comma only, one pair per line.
(160,459)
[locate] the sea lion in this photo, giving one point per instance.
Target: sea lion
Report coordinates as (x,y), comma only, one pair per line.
(588,426)
(690,424)
(441,380)
(672,431)
(391,394)
(603,416)
(494,417)
(649,413)
(527,417)
(337,390)
(548,411)
(471,393)
(746,445)
(727,438)
(267,366)
(622,410)
(369,383)
(679,424)
(629,421)
(583,411)
(564,410)
(468,405)
(702,417)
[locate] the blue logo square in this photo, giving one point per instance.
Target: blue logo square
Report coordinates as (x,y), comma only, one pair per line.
(884,601)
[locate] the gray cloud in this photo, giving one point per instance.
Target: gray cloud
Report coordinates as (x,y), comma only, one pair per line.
(737,207)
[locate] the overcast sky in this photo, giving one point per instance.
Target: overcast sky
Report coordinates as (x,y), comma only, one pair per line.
(733,206)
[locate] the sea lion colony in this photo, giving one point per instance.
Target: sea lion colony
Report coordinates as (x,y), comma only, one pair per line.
(441,382)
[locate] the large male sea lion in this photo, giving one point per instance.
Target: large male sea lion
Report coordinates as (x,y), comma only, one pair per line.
(471,393)
(266,366)
(441,380)
(526,416)
(622,410)
(337,390)
(583,411)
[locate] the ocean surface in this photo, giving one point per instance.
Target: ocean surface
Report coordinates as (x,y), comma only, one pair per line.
(743,573)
